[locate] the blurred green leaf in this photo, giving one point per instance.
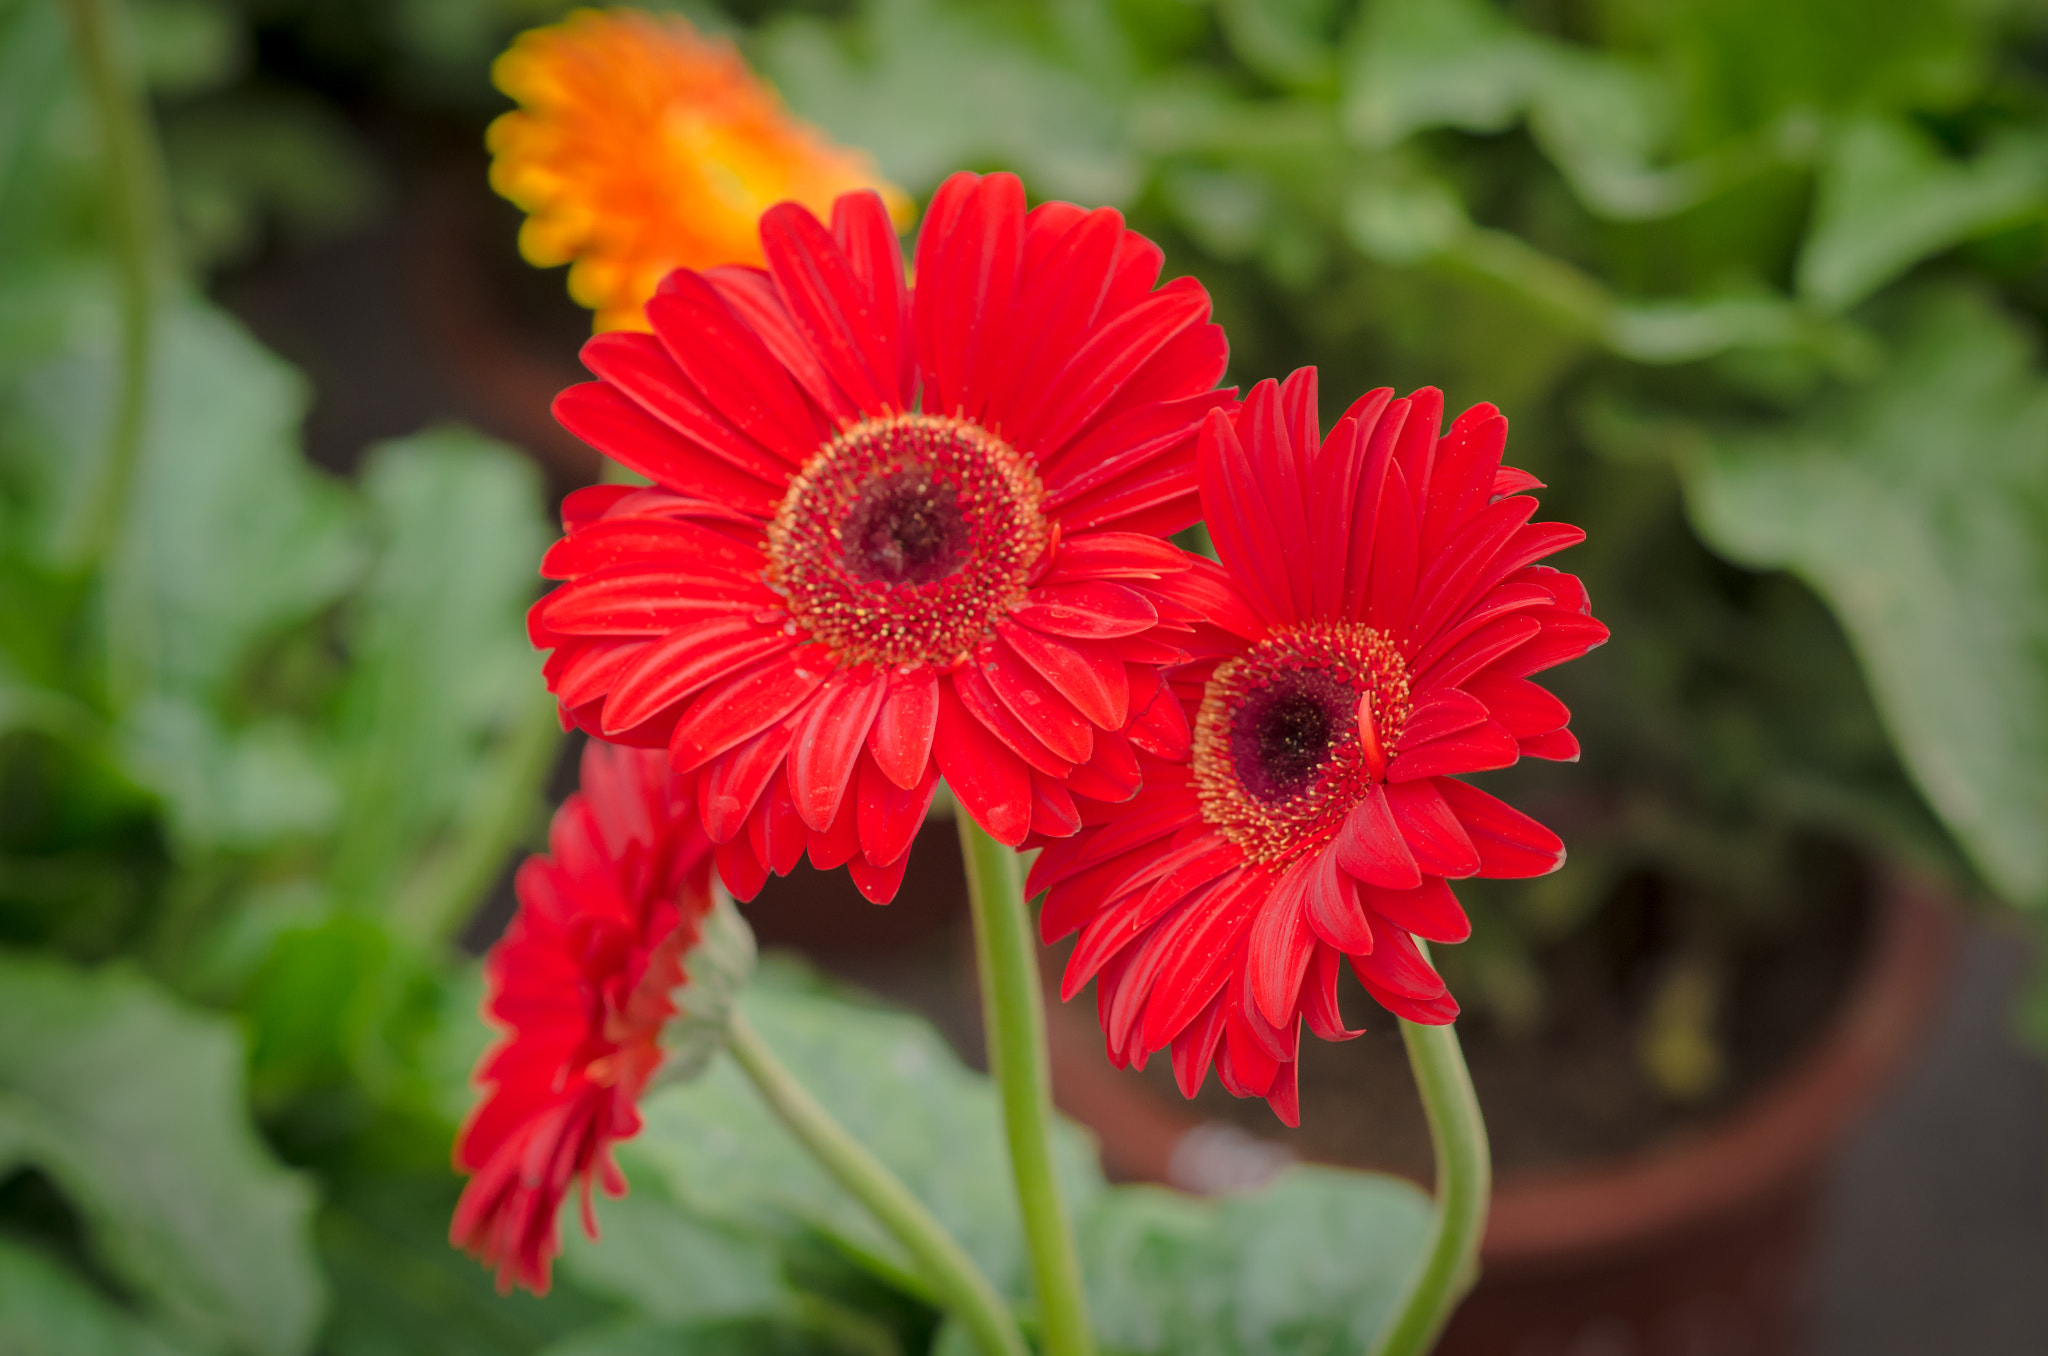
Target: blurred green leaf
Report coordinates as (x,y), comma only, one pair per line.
(442,678)
(1438,63)
(1287,41)
(1918,506)
(1313,1263)
(133,1105)
(402,1290)
(1889,198)
(891,1080)
(929,87)
(235,790)
(46,1310)
(186,47)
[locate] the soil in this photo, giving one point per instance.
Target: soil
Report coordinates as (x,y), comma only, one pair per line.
(1570,1090)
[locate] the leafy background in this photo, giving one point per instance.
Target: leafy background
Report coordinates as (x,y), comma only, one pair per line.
(1760,284)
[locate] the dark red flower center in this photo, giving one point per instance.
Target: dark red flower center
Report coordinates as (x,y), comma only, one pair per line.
(1281,753)
(1282,732)
(905,538)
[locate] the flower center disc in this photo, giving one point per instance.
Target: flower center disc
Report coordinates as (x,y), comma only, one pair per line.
(904,538)
(1279,756)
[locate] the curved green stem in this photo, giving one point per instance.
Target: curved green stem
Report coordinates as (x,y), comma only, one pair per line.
(132,199)
(960,1284)
(1013,1019)
(1464,1184)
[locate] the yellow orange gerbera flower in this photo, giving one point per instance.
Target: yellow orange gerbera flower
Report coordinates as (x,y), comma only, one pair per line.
(640,146)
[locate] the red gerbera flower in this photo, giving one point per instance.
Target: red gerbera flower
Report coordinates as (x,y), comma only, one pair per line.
(1377,616)
(582,983)
(890,535)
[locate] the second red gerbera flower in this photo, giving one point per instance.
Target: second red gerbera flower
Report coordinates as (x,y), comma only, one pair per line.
(1375,626)
(891,535)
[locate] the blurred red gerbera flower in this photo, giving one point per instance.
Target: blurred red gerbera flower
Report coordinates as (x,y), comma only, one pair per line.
(582,983)
(891,535)
(1376,618)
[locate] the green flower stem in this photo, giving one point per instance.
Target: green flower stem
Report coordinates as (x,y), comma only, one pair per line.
(959,1283)
(1464,1185)
(1013,1019)
(434,908)
(132,198)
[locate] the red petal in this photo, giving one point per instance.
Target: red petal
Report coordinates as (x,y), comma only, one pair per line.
(1444,711)
(1114,555)
(741,871)
(1430,910)
(983,704)
(1511,845)
(752,295)
(968,253)
(840,842)
(1095,609)
(1566,635)
(637,365)
(1103,366)
(1240,525)
(1487,645)
(670,669)
(1370,847)
(644,602)
(1397,967)
(1161,726)
(731,784)
(1431,831)
(1278,951)
(1319,997)
(1194,1049)
(827,303)
(1508,480)
(1474,750)
(727,362)
(1037,704)
(877,884)
(861,225)
(1208,946)
(1521,707)
(1052,810)
(901,737)
(1093,681)
(827,743)
(776,831)
(889,816)
(746,704)
(1561,746)
(689,548)
(1334,910)
(991,783)
(609,421)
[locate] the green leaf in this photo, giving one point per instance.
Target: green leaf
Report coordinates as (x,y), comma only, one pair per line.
(1917,505)
(443,679)
(402,1290)
(929,87)
(1438,63)
(1313,1263)
(892,1081)
(231,537)
(1889,198)
(133,1106)
(46,1310)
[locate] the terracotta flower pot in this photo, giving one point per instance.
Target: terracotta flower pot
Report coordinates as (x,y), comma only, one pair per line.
(1696,1246)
